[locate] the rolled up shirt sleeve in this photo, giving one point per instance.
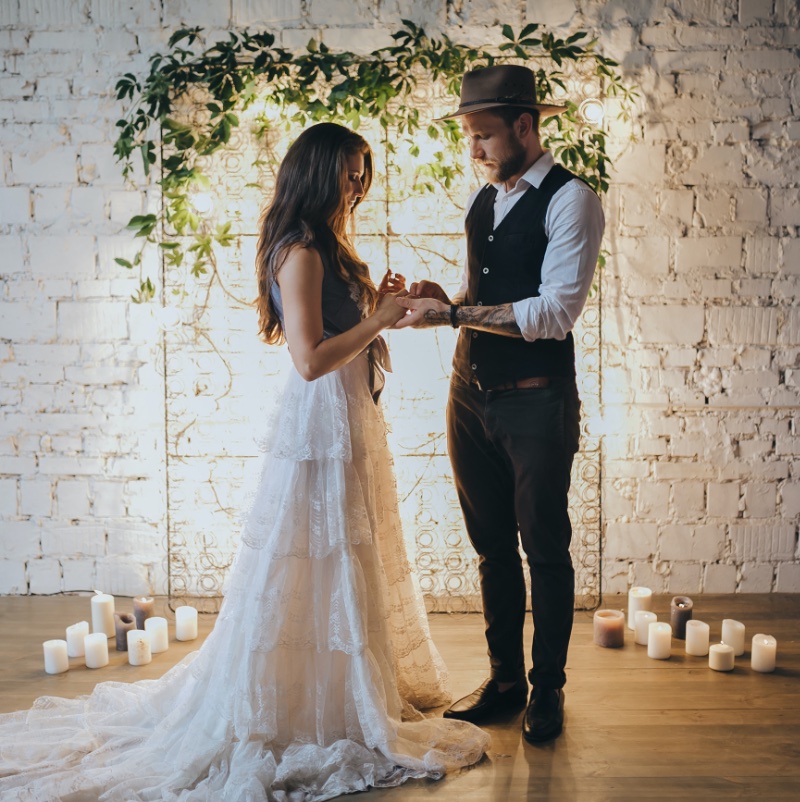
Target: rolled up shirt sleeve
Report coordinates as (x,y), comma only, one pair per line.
(574,226)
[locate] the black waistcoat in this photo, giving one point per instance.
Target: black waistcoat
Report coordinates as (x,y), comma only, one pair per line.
(505,265)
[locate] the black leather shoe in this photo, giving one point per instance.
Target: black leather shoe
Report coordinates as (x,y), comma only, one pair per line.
(544,718)
(488,702)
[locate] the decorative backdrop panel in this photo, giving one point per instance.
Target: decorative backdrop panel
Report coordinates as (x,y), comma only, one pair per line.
(222,382)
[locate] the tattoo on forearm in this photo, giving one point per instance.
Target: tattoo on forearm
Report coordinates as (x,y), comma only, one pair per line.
(434,318)
(495,319)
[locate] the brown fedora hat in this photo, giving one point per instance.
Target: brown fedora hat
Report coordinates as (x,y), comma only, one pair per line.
(501,85)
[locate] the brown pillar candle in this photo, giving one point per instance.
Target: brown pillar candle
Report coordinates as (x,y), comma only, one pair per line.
(142,610)
(609,628)
(123,623)
(680,611)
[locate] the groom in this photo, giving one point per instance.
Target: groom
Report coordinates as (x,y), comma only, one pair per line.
(533,237)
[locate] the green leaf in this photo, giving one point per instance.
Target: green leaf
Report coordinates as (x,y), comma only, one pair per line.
(508,33)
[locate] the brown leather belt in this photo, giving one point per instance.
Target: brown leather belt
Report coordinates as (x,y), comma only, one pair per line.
(520,384)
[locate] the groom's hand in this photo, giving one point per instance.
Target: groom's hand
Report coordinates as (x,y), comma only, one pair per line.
(422,312)
(428,289)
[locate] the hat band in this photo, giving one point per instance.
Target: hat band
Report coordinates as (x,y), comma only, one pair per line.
(507,99)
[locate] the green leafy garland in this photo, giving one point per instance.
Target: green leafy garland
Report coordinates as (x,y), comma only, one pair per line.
(320,85)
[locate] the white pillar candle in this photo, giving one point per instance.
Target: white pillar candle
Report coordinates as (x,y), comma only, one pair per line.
(763,651)
(96,648)
(721,657)
(638,599)
(156,627)
(185,623)
(733,635)
(103,613)
(697,633)
(643,619)
(75,635)
(56,660)
(139,653)
(659,640)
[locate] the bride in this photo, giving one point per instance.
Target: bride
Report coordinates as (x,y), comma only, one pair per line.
(310,683)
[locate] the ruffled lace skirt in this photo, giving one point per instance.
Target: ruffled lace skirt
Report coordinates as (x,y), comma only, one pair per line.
(310,683)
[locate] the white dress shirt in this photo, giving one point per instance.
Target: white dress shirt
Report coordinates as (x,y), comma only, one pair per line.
(574,226)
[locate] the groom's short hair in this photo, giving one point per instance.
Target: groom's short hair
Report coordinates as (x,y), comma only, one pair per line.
(510,114)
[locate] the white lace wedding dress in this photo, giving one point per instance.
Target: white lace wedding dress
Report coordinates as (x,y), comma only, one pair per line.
(309,685)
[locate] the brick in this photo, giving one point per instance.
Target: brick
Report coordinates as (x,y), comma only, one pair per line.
(631,540)
(82,538)
(693,253)
(108,499)
(640,163)
(45,166)
(688,500)
(790,261)
(8,497)
(742,324)
(723,499)
(73,498)
(784,207)
(11,256)
(650,576)
(52,13)
(754,11)
(691,543)
(36,497)
(19,539)
(672,325)
(12,577)
(21,322)
(692,61)
(66,466)
(788,578)
(677,207)
(121,576)
(714,208)
(68,254)
(716,164)
(763,542)
(144,543)
(88,203)
(141,13)
(78,575)
(790,501)
(683,470)
(727,133)
(15,205)
(92,322)
(645,256)
(720,578)
(652,500)
(754,60)
(44,576)
(684,578)
(756,578)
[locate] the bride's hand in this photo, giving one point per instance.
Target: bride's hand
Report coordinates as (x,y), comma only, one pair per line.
(388,311)
(392,282)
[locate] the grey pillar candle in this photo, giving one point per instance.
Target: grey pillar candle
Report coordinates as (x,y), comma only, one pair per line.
(123,623)
(142,610)
(680,611)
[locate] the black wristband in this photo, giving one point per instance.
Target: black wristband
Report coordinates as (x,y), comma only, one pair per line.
(453,310)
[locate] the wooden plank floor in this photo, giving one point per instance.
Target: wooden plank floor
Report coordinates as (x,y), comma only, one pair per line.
(636,728)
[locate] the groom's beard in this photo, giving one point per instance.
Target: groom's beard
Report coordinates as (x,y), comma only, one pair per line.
(509,164)
(513,161)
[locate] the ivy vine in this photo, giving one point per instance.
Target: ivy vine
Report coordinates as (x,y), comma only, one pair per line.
(320,84)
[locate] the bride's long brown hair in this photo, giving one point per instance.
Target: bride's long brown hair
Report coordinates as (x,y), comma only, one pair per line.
(310,209)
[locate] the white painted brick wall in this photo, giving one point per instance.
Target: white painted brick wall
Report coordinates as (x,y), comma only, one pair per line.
(701,327)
